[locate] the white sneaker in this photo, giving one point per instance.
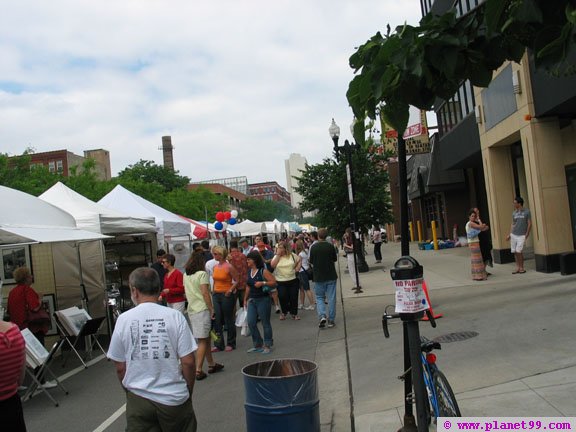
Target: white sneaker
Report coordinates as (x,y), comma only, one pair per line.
(300,306)
(311,307)
(49,384)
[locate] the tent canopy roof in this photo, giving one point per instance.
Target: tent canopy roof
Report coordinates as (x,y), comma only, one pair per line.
(32,220)
(96,217)
(122,200)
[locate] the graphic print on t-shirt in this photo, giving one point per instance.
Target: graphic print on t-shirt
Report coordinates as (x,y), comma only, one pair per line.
(150,340)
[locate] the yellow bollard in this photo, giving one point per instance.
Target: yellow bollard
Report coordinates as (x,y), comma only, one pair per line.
(419,226)
(411,231)
(434,236)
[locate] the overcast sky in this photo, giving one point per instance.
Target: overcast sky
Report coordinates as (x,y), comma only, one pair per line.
(239,85)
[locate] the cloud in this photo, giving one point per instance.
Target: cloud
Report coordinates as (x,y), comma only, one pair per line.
(238,85)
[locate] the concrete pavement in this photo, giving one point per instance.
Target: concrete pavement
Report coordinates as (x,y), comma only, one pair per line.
(521,363)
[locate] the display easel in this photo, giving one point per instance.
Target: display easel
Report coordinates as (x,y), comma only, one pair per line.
(38,360)
(89,331)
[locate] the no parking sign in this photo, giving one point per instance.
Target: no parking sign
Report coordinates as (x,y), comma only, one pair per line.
(410,297)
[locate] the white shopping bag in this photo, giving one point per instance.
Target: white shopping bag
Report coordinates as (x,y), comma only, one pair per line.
(241,317)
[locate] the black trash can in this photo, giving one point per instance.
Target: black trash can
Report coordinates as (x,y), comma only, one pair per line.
(282,396)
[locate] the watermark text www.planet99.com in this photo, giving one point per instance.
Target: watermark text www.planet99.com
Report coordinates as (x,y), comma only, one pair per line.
(487,424)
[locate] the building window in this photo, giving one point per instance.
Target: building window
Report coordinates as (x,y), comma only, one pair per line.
(52,166)
(59,166)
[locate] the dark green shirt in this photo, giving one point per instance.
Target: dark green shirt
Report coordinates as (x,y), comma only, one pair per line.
(323,255)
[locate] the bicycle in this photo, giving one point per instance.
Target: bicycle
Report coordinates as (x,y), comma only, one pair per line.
(442,402)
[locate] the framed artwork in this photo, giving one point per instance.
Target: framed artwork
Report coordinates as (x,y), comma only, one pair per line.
(12,258)
(48,304)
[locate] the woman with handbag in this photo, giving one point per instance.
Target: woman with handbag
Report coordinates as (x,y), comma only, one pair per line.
(24,305)
(304,276)
(258,302)
(200,311)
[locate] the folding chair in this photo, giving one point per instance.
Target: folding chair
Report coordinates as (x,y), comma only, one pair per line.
(38,370)
(89,331)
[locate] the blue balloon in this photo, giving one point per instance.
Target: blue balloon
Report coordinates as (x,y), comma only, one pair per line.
(218,226)
(231,221)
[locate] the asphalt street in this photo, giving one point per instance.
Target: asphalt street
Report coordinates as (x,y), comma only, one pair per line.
(520,330)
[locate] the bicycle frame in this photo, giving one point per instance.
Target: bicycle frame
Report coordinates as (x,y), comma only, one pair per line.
(429,370)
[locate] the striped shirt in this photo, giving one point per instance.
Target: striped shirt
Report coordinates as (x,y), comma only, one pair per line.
(13,355)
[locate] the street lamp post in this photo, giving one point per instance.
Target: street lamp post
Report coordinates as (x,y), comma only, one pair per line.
(359,260)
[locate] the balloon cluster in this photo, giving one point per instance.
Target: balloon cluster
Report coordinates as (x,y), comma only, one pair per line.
(223,219)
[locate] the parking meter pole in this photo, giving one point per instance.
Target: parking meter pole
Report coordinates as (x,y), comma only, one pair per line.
(420,393)
(409,421)
(403,189)
(407,275)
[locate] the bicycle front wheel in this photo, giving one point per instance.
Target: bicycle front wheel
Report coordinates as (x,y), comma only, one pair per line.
(447,405)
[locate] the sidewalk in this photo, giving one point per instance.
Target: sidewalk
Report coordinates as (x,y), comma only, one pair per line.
(521,363)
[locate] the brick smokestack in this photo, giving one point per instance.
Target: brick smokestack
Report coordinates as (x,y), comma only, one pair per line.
(167,152)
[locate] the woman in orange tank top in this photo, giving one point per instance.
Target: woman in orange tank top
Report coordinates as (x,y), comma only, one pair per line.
(224,299)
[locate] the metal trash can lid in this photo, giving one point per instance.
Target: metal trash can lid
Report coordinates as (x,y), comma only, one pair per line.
(279,368)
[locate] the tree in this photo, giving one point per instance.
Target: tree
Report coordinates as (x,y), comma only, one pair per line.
(264,210)
(323,188)
(416,65)
(16,173)
(150,173)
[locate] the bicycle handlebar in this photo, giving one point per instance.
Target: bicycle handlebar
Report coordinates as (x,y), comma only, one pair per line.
(388,316)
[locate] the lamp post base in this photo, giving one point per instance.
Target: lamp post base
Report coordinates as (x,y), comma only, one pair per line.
(361,263)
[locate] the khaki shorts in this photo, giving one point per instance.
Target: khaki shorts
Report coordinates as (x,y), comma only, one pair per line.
(200,322)
(517,243)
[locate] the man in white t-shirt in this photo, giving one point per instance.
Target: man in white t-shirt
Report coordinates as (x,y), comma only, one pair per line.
(153,351)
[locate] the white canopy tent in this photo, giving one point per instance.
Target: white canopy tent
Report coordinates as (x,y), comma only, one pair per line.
(248,228)
(32,220)
(78,271)
(96,217)
(168,224)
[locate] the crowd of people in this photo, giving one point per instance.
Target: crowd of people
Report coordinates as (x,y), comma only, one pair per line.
(159,352)
(267,280)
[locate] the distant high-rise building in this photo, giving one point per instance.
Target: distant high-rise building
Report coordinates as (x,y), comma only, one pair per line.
(294,164)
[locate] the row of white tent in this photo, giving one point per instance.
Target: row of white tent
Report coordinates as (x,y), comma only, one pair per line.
(119,212)
(74,226)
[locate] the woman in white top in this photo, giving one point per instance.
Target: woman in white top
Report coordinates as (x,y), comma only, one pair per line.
(377,242)
(473,228)
(286,265)
(303,275)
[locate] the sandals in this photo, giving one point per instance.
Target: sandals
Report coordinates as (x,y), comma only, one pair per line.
(200,375)
(519,272)
(296,317)
(282,317)
(216,367)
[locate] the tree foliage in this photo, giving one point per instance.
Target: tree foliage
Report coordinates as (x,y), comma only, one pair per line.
(264,210)
(16,173)
(323,188)
(150,173)
(157,184)
(413,66)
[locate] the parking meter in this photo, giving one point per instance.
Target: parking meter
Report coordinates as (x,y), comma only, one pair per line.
(407,275)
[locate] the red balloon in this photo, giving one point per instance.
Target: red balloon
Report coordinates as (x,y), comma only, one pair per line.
(220,216)
(227,215)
